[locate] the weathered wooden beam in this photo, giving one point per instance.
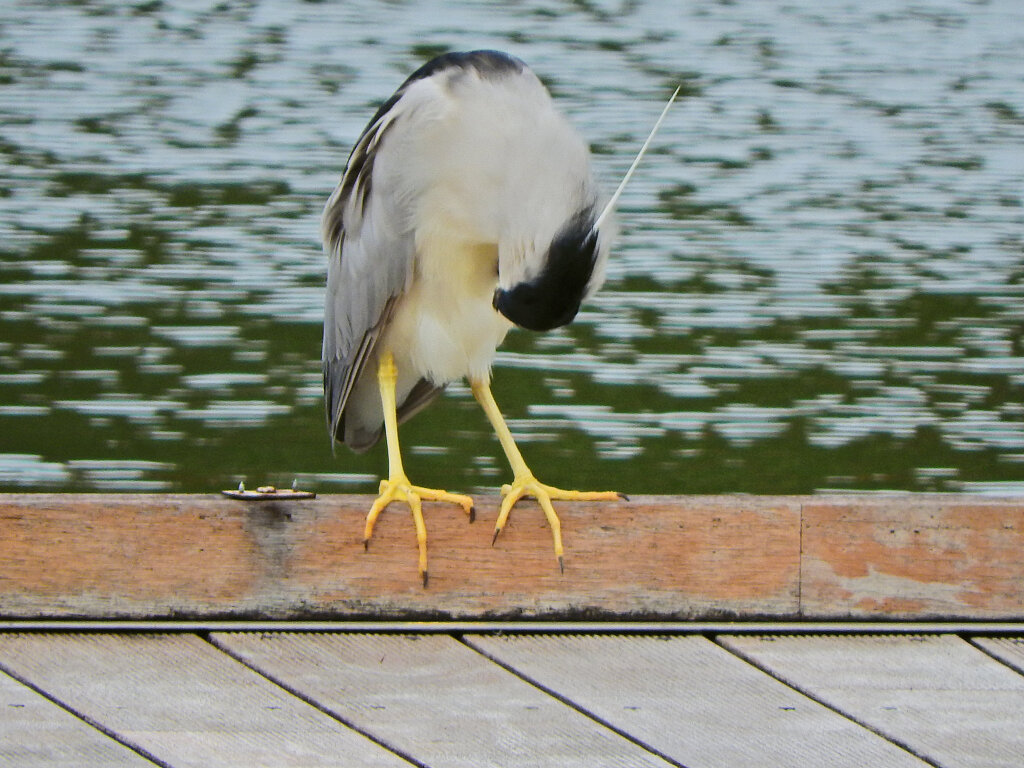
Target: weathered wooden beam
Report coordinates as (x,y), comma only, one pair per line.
(916,557)
(913,556)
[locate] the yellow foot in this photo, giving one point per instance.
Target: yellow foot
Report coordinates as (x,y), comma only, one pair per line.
(528,485)
(400,489)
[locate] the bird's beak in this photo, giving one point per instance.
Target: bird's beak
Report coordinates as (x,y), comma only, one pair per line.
(496,301)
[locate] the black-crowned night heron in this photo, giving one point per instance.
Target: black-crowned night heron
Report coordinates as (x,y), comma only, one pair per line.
(467,207)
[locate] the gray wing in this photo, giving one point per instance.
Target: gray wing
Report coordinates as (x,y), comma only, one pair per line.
(368,239)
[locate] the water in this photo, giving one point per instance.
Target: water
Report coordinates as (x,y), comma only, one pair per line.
(819,283)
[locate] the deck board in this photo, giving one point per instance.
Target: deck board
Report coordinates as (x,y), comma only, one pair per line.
(572,699)
(435,699)
(664,558)
(202,555)
(179,699)
(1009,650)
(910,557)
(940,696)
(36,733)
(693,701)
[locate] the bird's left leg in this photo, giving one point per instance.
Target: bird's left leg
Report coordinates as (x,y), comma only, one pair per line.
(524,483)
(397,487)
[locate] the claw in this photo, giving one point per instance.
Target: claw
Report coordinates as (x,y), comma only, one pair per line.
(525,484)
(399,488)
(528,485)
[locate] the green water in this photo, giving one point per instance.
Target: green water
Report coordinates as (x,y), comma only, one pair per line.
(819,283)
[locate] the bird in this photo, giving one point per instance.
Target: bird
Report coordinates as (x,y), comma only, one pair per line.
(467,207)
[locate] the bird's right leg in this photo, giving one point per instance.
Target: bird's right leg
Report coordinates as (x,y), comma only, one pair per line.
(397,487)
(524,482)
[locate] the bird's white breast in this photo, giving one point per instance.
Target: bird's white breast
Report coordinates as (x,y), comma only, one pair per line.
(444,327)
(486,171)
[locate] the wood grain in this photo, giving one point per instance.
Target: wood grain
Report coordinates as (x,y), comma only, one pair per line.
(1009,650)
(431,697)
(36,733)
(146,556)
(178,699)
(913,557)
(692,701)
(653,558)
(944,699)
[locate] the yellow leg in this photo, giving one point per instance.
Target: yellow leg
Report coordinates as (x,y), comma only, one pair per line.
(524,483)
(397,487)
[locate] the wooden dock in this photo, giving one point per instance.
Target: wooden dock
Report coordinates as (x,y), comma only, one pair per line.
(686,631)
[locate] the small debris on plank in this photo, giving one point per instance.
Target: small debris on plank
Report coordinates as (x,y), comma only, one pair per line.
(267,492)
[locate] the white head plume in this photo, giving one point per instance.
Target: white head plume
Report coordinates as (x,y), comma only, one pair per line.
(610,207)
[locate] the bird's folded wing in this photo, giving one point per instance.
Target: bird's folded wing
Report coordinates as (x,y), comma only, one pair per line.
(370,249)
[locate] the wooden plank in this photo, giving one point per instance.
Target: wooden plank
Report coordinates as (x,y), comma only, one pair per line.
(913,556)
(180,700)
(36,733)
(692,701)
(908,556)
(943,698)
(1009,650)
(168,556)
(435,699)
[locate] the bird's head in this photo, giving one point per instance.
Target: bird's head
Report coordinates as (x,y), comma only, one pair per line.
(559,277)
(565,276)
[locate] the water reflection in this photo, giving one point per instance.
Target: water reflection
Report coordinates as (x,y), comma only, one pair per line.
(819,284)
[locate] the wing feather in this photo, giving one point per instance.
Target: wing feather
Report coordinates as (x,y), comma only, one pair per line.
(368,237)
(369,260)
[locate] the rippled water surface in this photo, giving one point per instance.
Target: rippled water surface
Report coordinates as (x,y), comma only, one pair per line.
(819,283)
